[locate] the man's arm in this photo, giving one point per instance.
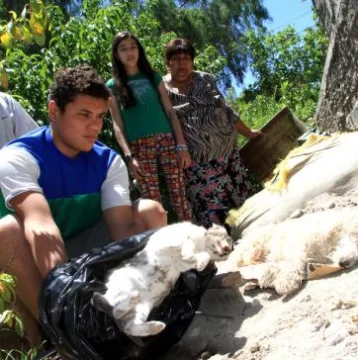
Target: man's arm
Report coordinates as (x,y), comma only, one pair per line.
(123,217)
(40,230)
(19,173)
(118,211)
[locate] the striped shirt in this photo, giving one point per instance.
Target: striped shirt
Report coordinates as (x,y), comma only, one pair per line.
(208,123)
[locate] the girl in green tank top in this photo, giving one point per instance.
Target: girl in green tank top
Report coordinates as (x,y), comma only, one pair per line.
(144,122)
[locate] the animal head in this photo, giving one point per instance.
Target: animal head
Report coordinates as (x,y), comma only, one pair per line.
(219,244)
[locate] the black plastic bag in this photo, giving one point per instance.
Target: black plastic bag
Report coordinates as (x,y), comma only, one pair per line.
(80,331)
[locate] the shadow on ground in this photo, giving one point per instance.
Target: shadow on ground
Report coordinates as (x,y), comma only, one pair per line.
(215,328)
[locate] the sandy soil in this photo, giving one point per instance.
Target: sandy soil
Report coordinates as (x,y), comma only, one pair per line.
(320,322)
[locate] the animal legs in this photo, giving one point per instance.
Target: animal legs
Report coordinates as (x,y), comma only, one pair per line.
(138,325)
(124,303)
(284,276)
(202,260)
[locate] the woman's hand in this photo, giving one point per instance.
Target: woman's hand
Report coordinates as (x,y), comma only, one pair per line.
(254,133)
(184,159)
(135,168)
(244,130)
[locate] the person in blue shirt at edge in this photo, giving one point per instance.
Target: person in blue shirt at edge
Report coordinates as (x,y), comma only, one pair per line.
(63,192)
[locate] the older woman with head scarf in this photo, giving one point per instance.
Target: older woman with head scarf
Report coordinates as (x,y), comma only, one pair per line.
(217,181)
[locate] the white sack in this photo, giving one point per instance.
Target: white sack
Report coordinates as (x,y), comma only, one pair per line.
(329,166)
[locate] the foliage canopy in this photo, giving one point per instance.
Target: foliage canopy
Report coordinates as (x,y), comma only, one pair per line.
(87,39)
(287,67)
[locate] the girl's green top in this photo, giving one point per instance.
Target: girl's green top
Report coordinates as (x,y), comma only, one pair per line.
(147,117)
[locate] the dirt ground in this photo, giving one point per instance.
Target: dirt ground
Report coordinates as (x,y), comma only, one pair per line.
(320,322)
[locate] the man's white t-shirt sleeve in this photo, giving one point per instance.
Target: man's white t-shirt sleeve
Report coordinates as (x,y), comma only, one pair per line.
(23,121)
(115,189)
(19,173)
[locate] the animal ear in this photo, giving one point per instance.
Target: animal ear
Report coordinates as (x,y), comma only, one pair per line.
(213,229)
(101,303)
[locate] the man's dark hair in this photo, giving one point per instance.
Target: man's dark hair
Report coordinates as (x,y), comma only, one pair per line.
(69,82)
(179,46)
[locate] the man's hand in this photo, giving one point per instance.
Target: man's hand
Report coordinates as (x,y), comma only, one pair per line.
(142,215)
(41,232)
(46,244)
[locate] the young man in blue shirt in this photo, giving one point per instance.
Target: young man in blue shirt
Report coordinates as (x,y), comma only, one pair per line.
(63,192)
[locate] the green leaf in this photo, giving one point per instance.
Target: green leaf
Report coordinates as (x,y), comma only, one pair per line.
(36,6)
(2,306)
(24,11)
(6,295)
(13,14)
(19,326)
(38,25)
(4,316)
(39,39)
(7,278)
(28,37)
(6,40)
(9,320)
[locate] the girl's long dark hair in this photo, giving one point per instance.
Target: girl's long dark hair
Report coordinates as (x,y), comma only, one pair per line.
(122,89)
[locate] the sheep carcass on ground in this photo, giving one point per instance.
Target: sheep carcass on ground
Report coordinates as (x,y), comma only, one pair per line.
(284,249)
(307,214)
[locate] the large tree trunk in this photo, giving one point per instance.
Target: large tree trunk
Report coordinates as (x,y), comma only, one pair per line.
(338,105)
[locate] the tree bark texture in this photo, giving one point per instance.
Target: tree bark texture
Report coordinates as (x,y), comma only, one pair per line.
(337,109)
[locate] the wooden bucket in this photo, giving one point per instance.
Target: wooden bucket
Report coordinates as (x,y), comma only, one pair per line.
(261,155)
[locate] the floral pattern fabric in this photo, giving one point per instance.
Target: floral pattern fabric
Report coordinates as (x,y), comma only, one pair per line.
(215,187)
